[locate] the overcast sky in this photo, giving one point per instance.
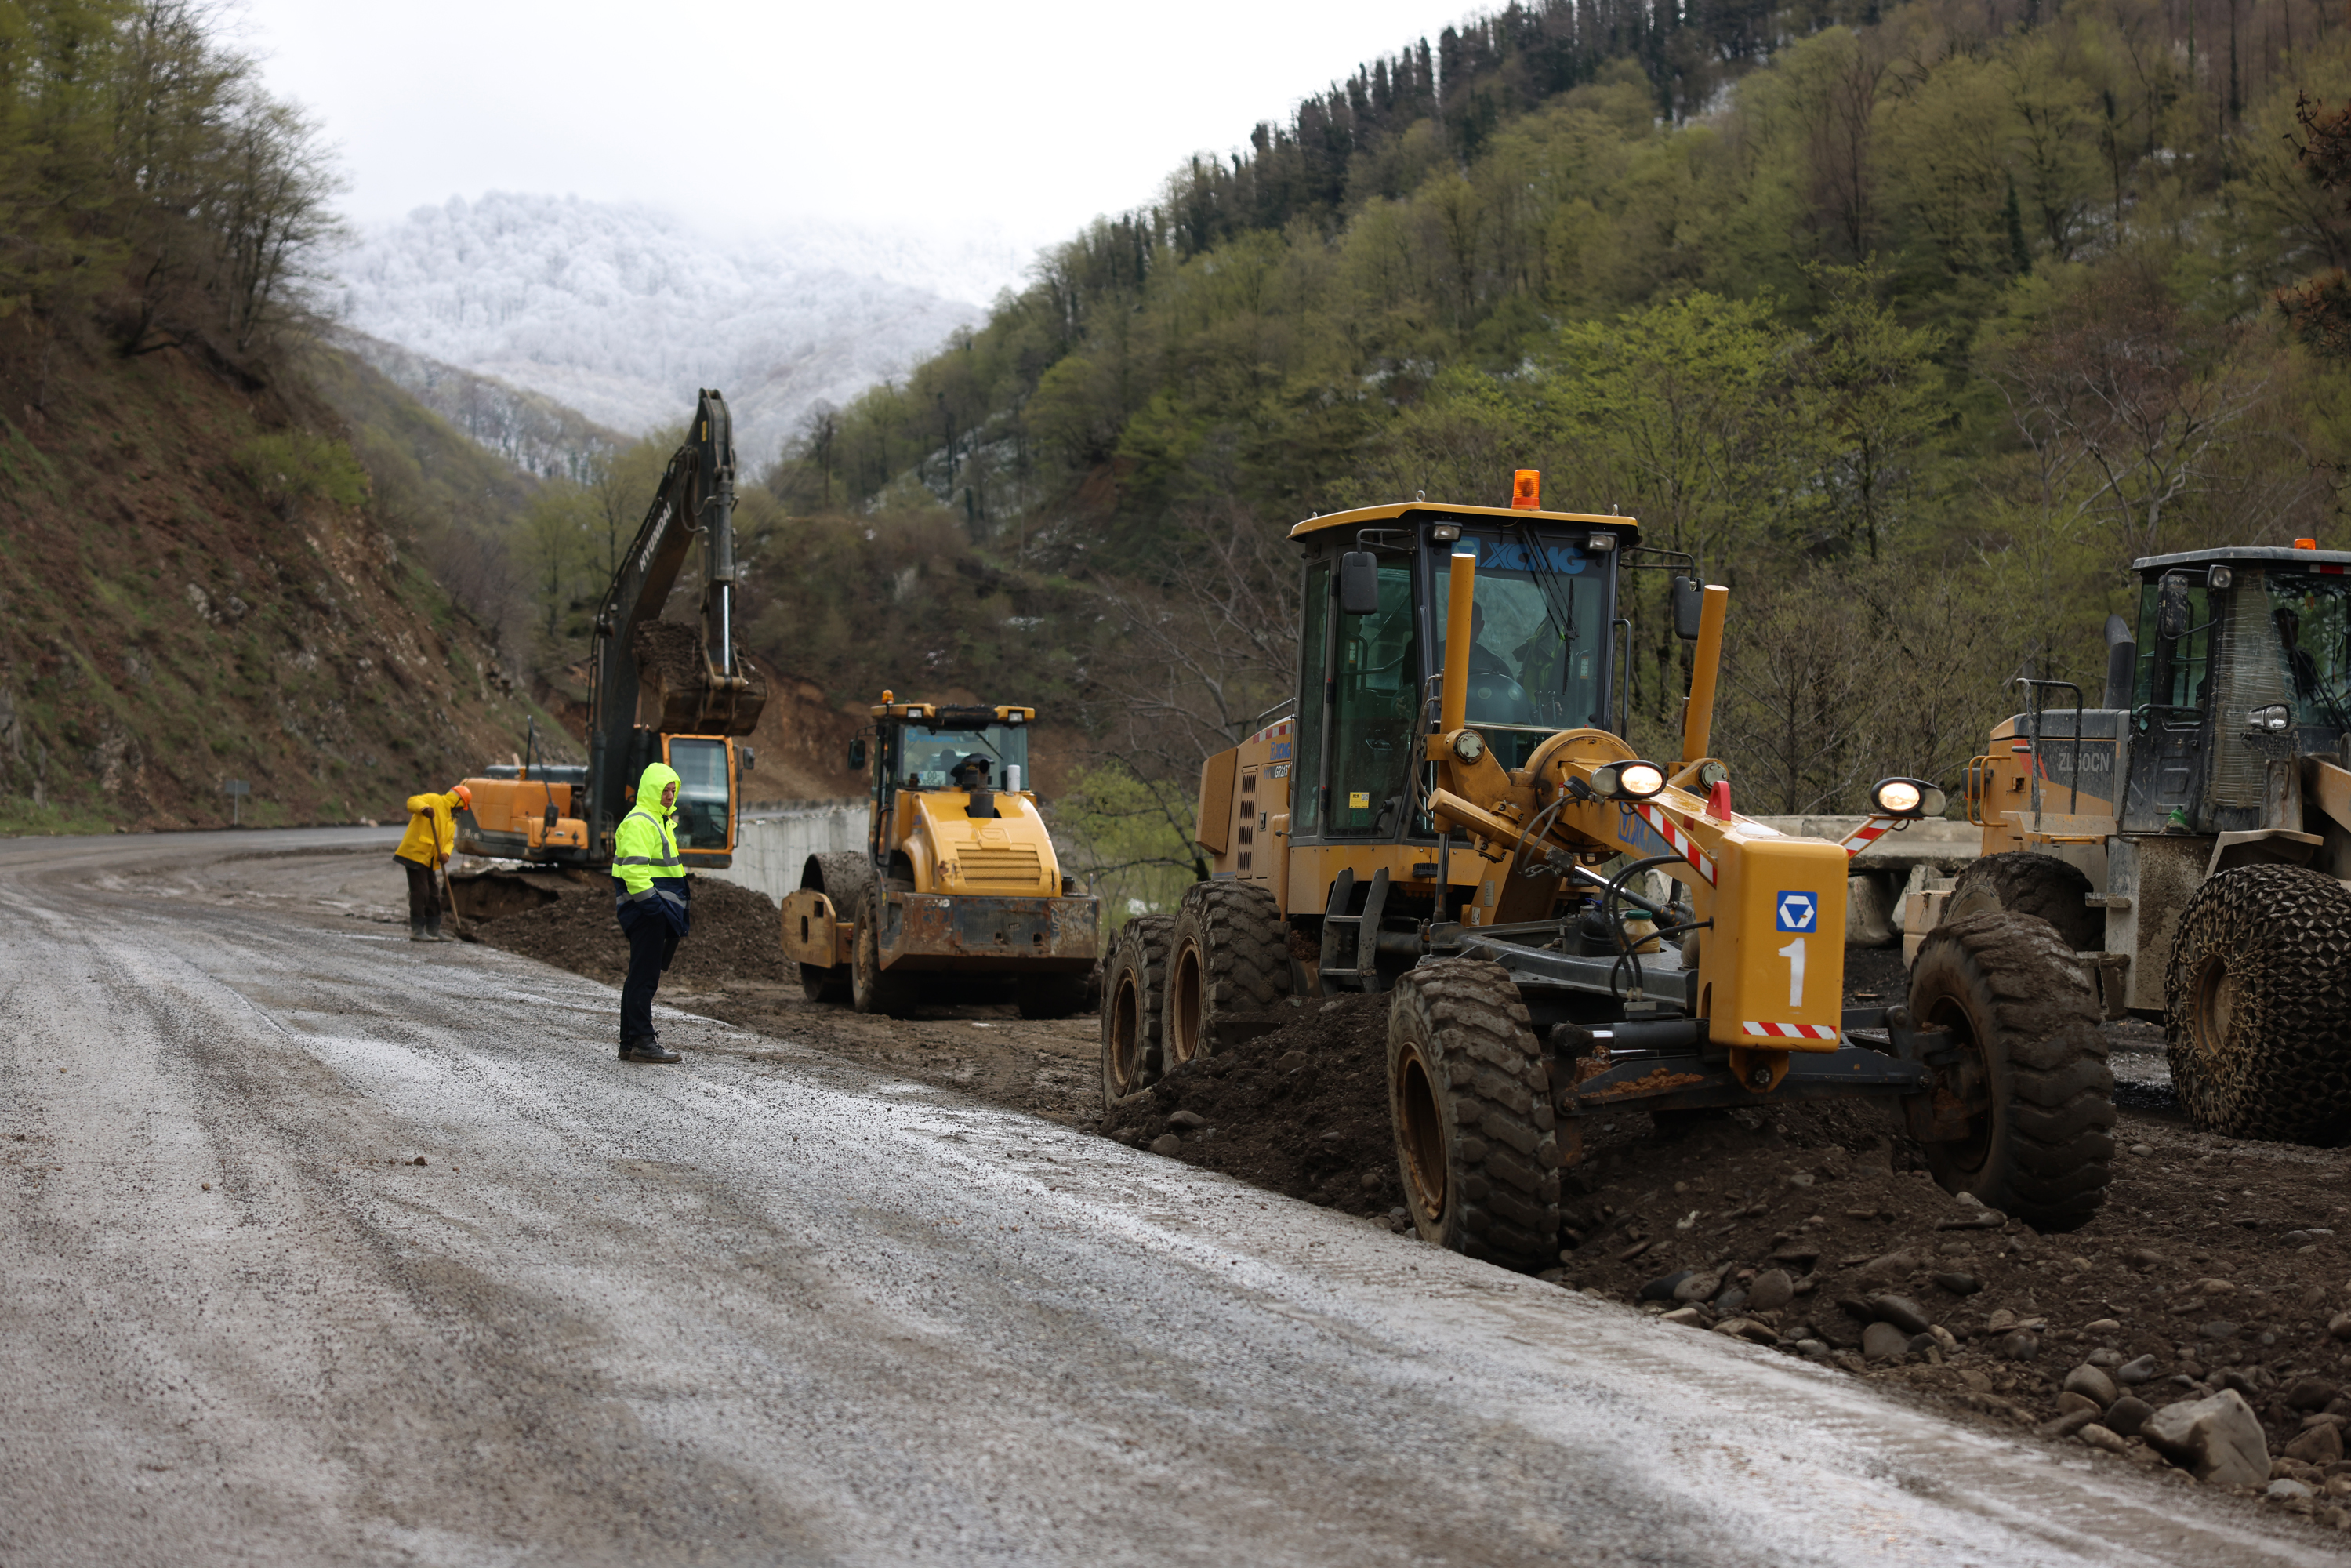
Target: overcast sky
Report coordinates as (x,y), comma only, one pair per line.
(1034,116)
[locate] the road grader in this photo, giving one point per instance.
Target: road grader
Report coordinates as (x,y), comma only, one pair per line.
(1452,815)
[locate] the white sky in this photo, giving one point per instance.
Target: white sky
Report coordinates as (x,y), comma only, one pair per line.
(1032,117)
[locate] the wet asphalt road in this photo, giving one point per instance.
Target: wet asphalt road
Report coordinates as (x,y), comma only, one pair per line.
(768,1307)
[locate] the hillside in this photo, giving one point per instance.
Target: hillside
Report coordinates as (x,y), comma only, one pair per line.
(623,312)
(201,586)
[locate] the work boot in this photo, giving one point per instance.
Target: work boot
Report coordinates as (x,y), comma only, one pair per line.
(432,930)
(648,1048)
(417,932)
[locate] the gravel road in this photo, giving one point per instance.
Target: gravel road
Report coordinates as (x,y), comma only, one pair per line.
(464,1288)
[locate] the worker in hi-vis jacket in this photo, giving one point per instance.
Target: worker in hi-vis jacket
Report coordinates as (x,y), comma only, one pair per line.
(651,896)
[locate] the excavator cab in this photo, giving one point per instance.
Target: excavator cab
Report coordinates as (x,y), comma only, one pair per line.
(706,767)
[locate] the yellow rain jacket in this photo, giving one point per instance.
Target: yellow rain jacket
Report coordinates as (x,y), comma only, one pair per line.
(647,872)
(432,833)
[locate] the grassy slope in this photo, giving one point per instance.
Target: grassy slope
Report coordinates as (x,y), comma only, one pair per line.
(167,627)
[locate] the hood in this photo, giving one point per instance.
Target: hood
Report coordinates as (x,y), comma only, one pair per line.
(651,784)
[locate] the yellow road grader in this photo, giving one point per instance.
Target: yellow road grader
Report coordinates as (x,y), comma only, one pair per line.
(1452,816)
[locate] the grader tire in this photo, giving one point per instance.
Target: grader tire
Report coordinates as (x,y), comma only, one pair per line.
(2257,1006)
(1134,989)
(2025,882)
(2008,988)
(1469,1101)
(1228,957)
(872,989)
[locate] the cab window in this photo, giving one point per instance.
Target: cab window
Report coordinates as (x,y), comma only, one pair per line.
(928,758)
(1375,692)
(2312,617)
(704,810)
(1541,618)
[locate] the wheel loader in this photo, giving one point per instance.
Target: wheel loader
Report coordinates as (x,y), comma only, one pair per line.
(663,692)
(2190,837)
(957,877)
(1452,816)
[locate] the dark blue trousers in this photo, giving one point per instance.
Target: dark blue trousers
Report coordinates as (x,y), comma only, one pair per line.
(652,945)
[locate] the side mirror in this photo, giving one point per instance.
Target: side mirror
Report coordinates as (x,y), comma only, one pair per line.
(1688,599)
(857,753)
(1359,583)
(2173,616)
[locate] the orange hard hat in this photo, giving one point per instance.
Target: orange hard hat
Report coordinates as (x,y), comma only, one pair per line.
(465,795)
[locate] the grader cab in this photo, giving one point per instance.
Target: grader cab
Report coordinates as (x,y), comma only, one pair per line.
(1452,815)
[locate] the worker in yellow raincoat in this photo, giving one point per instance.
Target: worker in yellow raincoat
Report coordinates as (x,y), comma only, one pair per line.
(650,898)
(424,852)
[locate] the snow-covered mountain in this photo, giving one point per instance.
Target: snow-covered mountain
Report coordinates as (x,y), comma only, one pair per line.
(621,311)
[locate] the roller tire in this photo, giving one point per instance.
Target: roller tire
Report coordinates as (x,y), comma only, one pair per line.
(839,876)
(1228,958)
(1053,996)
(872,989)
(1134,986)
(2011,991)
(1469,1103)
(2257,1006)
(2023,882)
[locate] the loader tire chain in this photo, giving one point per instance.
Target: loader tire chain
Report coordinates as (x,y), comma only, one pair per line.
(2284,1071)
(2061,1091)
(2025,882)
(1141,948)
(1506,1150)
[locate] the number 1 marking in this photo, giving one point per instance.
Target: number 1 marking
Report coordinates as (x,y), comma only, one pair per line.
(1794,953)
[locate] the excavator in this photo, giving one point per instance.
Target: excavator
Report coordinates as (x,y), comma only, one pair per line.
(661,692)
(1452,816)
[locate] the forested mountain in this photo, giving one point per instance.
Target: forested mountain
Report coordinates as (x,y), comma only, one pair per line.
(1916,324)
(208,572)
(623,312)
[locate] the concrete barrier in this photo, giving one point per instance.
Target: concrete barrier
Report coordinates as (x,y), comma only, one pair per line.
(772,843)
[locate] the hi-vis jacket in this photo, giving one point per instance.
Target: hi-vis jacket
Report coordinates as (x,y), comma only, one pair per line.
(646,868)
(432,829)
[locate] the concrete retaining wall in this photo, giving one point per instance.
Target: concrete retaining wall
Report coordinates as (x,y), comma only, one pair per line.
(772,845)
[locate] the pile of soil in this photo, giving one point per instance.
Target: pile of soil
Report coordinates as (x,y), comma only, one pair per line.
(2214,1264)
(733,937)
(1303,1111)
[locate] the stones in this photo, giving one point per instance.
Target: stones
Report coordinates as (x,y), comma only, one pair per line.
(2218,1328)
(2092,1383)
(1958,1284)
(2285,1490)
(1901,1312)
(1685,1315)
(2311,1394)
(2105,1360)
(1772,1290)
(1731,1300)
(1661,1289)
(1166,1143)
(2001,1321)
(2069,1402)
(2127,1414)
(1187,1121)
(1892,1266)
(1801,1178)
(1372,1181)
(1700,1286)
(1291,1060)
(2023,1345)
(2098,1436)
(1884,1342)
(1748,1328)
(2145,1258)
(2142,1150)
(2136,1370)
(2103,1325)
(2219,1438)
(2322,1445)
(2340,1325)
(2297,1238)
(2066,1425)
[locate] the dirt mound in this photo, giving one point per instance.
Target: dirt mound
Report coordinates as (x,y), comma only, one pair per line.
(733,937)
(2214,1264)
(1303,1111)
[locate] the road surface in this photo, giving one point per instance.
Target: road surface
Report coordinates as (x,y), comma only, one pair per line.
(320,1246)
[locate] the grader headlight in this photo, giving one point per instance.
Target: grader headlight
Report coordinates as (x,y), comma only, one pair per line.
(1628,780)
(1906,798)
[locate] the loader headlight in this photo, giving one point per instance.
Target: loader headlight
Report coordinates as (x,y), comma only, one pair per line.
(1628,780)
(1906,798)
(2267,719)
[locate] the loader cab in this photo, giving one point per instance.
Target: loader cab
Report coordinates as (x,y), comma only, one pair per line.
(1546,618)
(2244,660)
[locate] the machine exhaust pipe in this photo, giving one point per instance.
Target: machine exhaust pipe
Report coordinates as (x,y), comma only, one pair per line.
(2122,663)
